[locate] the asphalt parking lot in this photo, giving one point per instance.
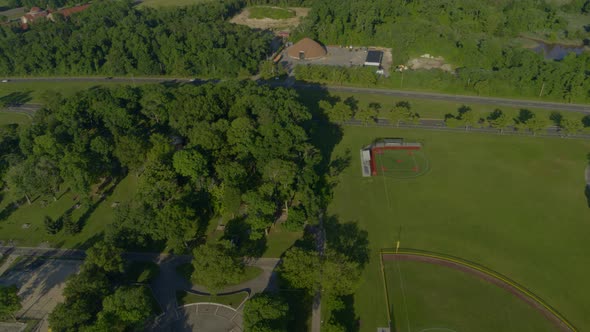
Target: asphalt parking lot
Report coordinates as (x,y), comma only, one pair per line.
(40,282)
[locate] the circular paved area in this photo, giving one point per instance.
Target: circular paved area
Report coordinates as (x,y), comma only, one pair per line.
(203,317)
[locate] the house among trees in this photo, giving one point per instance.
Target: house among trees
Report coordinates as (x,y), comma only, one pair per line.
(307,49)
(35,13)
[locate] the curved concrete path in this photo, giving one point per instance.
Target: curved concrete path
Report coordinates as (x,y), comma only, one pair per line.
(168,282)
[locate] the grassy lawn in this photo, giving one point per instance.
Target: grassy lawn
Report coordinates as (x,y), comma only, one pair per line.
(279,240)
(274,13)
(7,118)
(438,296)
(186,271)
(232,300)
(12,220)
(513,204)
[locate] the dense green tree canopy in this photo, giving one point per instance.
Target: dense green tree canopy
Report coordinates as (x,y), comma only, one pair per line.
(233,148)
(117,38)
(478,38)
(265,312)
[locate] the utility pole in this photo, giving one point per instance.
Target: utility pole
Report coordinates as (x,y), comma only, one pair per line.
(542,87)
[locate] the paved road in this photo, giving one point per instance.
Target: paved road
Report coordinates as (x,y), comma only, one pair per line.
(387,92)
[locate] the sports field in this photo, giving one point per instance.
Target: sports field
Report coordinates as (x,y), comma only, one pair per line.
(513,204)
(427,297)
(401,164)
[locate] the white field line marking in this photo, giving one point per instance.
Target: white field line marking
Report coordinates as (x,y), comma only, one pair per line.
(401,283)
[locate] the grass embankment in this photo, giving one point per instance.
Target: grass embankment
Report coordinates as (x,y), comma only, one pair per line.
(274,13)
(232,300)
(13,221)
(513,204)
(186,271)
(425,296)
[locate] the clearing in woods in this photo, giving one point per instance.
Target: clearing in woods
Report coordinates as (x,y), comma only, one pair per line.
(245,18)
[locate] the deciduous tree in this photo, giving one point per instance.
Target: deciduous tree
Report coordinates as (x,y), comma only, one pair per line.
(9,302)
(216,266)
(265,312)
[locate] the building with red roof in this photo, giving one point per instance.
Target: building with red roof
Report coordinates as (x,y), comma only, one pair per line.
(35,13)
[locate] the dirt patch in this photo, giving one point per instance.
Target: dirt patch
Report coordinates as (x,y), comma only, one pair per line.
(243,18)
(429,62)
(511,289)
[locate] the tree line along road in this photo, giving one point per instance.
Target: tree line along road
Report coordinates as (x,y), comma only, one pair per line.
(395,93)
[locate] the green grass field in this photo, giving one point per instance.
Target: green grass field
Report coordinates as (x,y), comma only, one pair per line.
(12,220)
(513,204)
(279,240)
(400,164)
(274,13)
(426,296)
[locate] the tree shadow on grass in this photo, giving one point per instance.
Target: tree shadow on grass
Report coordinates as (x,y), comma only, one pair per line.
(524,115)
(86,215)
(587,194)
(347,239)
(237,231)
(346,316)
(324,135)
(16,98)
(88,243)
(556,118)
(8,211)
